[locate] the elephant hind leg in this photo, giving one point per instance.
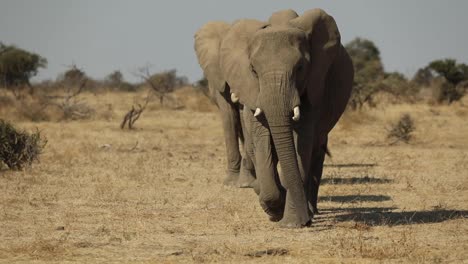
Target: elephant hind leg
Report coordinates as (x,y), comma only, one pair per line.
(231,127)
(315,176)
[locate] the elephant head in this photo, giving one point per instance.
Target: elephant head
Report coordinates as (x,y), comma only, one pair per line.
(273,68)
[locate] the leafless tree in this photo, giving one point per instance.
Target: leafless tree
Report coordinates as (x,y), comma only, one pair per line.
(161,83)
(69,104)
(134,114)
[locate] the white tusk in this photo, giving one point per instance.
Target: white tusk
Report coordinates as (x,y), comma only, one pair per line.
(234,98)
(297,114)
(258,111)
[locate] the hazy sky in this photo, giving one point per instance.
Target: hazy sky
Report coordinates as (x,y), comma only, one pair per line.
(106,35)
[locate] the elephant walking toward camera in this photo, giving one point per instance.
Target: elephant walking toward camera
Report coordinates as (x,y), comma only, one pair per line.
(240,170)
(294,78)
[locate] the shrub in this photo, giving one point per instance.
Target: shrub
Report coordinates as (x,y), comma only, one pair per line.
(19,148)
(402,130)
(453,74)
(17,66)
(445,92)
(368,69)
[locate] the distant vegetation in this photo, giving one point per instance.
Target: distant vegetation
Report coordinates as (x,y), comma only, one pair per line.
(446,78)
(18,66)
(442,81)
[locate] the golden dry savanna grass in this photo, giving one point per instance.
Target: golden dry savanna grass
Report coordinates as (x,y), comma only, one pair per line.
(155,194)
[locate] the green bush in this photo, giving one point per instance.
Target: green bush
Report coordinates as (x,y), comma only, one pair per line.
(453,73)
(19,148)
(17,66)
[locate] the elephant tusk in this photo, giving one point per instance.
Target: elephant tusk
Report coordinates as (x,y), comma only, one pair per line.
(258,111)
(297,114)
(234,98)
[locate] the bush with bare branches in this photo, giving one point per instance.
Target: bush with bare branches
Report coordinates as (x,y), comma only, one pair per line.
(402,130)
(19,148)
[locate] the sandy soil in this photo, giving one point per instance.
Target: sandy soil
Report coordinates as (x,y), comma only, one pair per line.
(155,194)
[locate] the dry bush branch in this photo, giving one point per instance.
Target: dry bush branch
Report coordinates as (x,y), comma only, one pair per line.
(402,130)
(134,114)
(19,148)
(70,105)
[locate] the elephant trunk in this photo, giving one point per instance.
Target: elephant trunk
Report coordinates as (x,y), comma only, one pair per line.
(278,107)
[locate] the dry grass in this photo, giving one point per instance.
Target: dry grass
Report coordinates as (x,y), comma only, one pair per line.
(154,194)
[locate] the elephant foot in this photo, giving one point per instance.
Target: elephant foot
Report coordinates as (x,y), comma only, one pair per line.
(274,214)
(274,208)
(246,179)
(256,187)
(293,222)
(294,218)
(231,179)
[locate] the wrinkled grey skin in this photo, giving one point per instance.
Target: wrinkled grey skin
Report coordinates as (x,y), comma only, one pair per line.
(291,62)
(240,171)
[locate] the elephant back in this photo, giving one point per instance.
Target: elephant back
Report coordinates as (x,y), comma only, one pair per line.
(282,17)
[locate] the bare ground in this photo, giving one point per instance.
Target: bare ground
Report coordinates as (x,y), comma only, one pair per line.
(155,194)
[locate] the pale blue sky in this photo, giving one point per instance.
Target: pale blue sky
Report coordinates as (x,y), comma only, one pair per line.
(106,35)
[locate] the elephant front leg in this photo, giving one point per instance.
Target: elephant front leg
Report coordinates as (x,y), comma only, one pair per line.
(231,127)
(247,175)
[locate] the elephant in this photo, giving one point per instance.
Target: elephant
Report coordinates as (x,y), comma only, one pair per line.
(293,78)
(240,170)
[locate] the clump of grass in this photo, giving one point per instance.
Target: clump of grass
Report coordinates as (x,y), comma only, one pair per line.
(402,130)
(19,148)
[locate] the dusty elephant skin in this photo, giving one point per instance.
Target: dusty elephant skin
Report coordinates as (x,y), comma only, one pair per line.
(240,171)
(294,78)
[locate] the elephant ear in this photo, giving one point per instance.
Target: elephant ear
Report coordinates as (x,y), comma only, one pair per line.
(282,17)
(235,61)
(324,46)
(207,43)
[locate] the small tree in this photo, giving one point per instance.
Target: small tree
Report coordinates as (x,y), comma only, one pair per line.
(74,77)
(450,70)
(161,83)
(396,84)
(454,73)
(115,79)
(368,70)
(423,77)
(18,66)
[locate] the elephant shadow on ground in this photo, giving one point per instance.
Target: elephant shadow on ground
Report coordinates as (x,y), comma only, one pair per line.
(350,165)
(354,180)
(386,217)
(355,198)
(377,216)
